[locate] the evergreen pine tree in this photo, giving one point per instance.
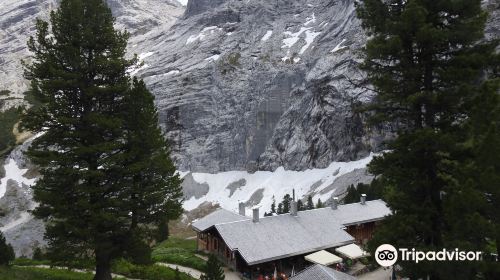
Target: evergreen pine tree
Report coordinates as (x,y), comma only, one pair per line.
(352,195)
(107,180)
(310,204)
(280,208)
(37,254)
(155,192)
(319,204)
(6,251)
(424,60)
(300,205)
(273,205)
(286,203)
(214,270)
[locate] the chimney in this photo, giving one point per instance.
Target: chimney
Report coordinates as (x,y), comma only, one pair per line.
(363,199)
(255,214)
(335,203)
(293,208)
(241,207)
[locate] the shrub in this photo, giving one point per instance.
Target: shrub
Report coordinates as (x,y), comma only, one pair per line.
(6,251)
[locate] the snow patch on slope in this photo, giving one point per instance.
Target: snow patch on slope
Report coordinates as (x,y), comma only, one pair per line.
(203,34)
(277,183)
(14,173)
(267,35)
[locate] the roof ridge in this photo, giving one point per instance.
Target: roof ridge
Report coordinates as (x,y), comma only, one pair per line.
(328,271)
(307,268)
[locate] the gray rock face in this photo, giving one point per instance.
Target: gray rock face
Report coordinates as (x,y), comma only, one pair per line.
(245,84)
(199,6)
(191,188)
(265,83)
(239,84)
(17,21)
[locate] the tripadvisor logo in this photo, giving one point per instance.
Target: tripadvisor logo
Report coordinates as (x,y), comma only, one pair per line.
(387,255)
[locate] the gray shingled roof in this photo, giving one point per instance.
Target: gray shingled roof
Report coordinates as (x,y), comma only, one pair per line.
(284,235)
(320,272)
(354,213)
(217,217)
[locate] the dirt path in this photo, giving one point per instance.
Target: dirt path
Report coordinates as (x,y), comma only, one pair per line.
(230,275)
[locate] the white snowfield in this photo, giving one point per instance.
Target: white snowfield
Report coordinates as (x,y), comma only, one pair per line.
(277,183)
(14,173)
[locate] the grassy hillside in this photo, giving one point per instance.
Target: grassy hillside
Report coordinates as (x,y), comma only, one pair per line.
(178,251)
(29,273)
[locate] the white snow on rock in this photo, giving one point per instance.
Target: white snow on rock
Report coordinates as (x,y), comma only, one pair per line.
(142,56)
(310,36)
(309,20)
(293,37)
(339,47)
(277,183)
(267,35)
(214,57)
(203,34)
(132,71)
(13,172)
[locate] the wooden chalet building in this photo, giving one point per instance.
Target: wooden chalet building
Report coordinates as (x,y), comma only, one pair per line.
(253,245)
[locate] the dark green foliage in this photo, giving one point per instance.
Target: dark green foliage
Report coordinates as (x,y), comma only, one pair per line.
(8,119)
(177,275)
(6,251)
(287,199)
(300,205)
(31,273)
(310,204)
(373,191)
(4,92)
(273,205)
(280,208)
(38,254)
(163,231)
(107,181)
(178,251)
(427,66)
(150,272)
(214,270)
(319,204)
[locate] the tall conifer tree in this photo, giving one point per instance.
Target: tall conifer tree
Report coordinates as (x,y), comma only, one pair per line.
(425,61)
(107,181)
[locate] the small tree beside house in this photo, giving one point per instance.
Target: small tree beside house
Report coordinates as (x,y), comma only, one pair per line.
(214,270)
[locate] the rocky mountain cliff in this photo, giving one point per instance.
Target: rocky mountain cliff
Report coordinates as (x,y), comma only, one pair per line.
(251,84)
(17,19)
(260,84)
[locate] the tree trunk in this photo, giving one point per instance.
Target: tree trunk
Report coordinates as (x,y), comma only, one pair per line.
(103,267)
